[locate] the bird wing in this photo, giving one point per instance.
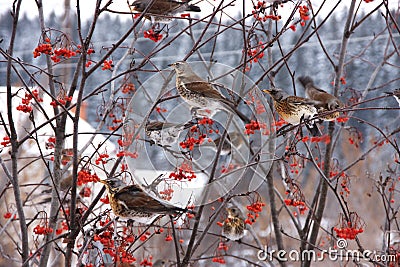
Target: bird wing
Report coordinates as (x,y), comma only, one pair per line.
(154,125)
(135,197)
(206,89)
(161,7)
(297,100)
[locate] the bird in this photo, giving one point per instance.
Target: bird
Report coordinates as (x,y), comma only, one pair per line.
(162,10)
(325,101)
(395,94)
(130,201)
(234,139)
(294,109)
(233,227)
(165,133)
(199,93)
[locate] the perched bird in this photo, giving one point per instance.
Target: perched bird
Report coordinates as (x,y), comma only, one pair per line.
(232,141)
(294,109)
(199,93)
(325,101)
(162,10)
(130,201)
(165,133)
(395,94)
(233,227)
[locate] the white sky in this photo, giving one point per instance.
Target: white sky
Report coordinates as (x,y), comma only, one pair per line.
(87,6)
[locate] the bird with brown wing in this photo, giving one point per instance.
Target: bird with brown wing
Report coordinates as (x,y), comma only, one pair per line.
(326,103)
(130,201)
(163,10)
(295,109)
(201,94)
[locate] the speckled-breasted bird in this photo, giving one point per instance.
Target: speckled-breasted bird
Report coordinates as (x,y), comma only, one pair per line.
(294,109)
(162,10)
(325,101)
(130,201)
(199,93)
(234,226)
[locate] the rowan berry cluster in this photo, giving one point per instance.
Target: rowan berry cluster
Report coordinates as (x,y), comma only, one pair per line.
(152,35)
(254,208)
(351,228)
(85,176)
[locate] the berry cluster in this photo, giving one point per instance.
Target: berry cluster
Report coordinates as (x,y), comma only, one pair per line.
(349,229)
(85,176)
(62,53)
(254,208)
(296,197)
(160,110)
(317,139)
(219,259)
(25,102)
(256,53)
(105,200)
(61,100)
(120,254)
(6,141)
(191,141)
(147,261)
(128,88)
(51,141)
(342,119)
(42,230)
(253,126)
(184,172)
(58,53)
(152,35)
(304,14)
(43,49)
(166,194)
(102,159)
(64,227)
(122,153)
(8,215)
(259,12)
(107,65)
(296,166)
(296,203)
(206,121)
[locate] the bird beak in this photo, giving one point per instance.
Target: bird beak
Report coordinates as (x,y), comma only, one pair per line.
(267,91)
(103,181)
(171,65)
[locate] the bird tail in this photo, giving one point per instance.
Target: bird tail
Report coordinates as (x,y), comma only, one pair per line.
(312,126)
(193,8)
(183,210)
(313,129)
(305,80)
